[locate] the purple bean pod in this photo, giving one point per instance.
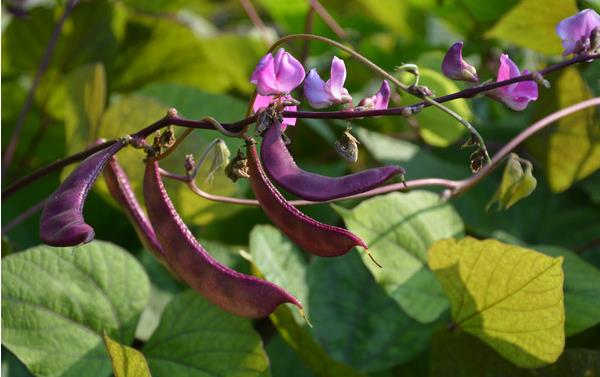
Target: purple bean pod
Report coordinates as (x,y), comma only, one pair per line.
(237,293)
(118,184)
(281,167)
(62,222)
(313,236)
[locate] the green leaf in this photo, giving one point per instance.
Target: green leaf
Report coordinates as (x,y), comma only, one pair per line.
(399,17)
(508,296)
(56,303)
(592,187)
(435,126)
(217,63)
(126,361)
(196,337)
(582,290)
(570,149)
(458,354)
(281,262)
(399,229)
(86,100)
(284,361)
(532,24)
(418,162)
(516,183)
(356,321)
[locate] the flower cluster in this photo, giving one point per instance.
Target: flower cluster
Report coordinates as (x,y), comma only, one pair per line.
(276,77)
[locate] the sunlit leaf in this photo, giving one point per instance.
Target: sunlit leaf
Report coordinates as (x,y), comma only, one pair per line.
(57,303)
(399,229)
(196,337)
(126,361)
(570,149)
(532,24)
(86,100)
(508,296)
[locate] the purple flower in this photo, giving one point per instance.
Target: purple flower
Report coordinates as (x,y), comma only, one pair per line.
(321,94)
(455,67)
(577,32)
(264,101)
(380,100)
(517,95)
(277,75)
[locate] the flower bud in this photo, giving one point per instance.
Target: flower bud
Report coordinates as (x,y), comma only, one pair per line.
(455,67)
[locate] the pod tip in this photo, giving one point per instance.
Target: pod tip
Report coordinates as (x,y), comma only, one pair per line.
(303,314)
(372,258)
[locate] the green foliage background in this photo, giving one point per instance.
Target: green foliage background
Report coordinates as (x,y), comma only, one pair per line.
(119,65)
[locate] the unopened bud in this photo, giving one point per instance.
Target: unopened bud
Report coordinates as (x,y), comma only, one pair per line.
(455,67)
(220,159)
(189,164)
(420,91)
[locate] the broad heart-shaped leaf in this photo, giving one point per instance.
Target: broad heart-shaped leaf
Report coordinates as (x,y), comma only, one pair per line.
(86,100)
(517,183)
(399,229)
(435,126)
(570,149)
(582,290)
(458,354)
(532,24)
(56,303)
(278,260)
(126,361)
(508,296)
(356,321)
(196,337)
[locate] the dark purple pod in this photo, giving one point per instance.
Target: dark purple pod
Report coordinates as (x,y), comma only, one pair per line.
(313,236)
(281,167)
(118,184)
(62,222)
(237,293)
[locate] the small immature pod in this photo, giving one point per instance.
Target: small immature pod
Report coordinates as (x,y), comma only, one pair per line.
(62,222)
(281,167)
(118,184)
(239,294)
(313,236)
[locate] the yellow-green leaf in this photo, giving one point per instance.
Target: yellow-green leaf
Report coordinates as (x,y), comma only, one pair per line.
(508,296)
(126,361)
(570,149)
(517,183)
(85,90)
(532,24)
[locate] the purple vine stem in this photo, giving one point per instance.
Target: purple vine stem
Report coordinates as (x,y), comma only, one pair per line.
(453,188)
(14,139)
(171,118)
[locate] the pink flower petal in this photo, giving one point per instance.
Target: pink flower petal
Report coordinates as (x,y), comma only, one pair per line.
(382,97)
(577,28)
(337,79)
(289,72)
(516,96)
(315,90)
(264,101)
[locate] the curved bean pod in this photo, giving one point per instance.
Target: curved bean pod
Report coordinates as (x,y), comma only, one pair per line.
(237,293)
(281,167)
(62,222)
(313,236)
(118,184)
